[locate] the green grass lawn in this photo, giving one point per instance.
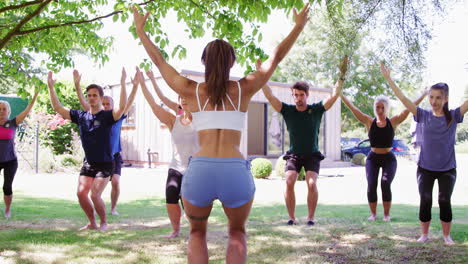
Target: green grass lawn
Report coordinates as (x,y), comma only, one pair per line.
(44,230)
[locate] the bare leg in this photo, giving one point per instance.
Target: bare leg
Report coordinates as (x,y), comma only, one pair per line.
(387,206)
(446,231)
(289,194)
(312,194)
(174,212)
(7,199)
(115,193)
(237,243)
(98,187)
(373,209)
(197,251)
(84,186)
(424,231)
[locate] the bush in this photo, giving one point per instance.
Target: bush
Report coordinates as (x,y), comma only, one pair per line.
(279,169)
(70,161)
(261,168)
(357,158)
(363,161)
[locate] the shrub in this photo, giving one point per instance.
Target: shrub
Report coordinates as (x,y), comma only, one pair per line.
(70,161)
(279,169)
(363,161)
(357,158)
(261,168)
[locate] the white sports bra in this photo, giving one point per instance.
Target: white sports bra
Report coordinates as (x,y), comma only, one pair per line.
(234,120)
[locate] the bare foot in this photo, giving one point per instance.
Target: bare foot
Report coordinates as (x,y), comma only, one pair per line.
(371,218)
(386,218)
(173,235)
(7,214)
(114,212)
(448,240)
(423,239)
(88,226)
(103,227)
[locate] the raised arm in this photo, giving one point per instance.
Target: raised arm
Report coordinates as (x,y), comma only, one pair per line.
(328,103)
(360,116)
(168,102)
(464,107)
(76,79)
(254,81)
(398,119)
(63,111)
(176,81)
(117,113)
(131,97)
(164,116)
(274,101)
(21,116)
(407,102)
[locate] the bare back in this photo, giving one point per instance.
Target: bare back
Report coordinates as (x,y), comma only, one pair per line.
(220,143)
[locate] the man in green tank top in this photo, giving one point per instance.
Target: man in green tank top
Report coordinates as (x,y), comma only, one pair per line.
(303,124)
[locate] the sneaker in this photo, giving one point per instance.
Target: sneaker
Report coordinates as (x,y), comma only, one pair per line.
(310,223)
(291,222)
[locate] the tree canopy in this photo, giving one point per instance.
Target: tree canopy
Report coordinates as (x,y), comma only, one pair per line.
(37,35)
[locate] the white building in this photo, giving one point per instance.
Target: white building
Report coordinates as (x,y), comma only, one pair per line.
(265,133)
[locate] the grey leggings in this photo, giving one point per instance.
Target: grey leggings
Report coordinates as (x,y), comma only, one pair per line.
(374,162)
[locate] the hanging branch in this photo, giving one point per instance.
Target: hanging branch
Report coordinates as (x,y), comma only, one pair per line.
(25,20)
(19,6)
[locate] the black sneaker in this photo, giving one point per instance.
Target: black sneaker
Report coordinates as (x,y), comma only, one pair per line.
(310,223)
(291,222)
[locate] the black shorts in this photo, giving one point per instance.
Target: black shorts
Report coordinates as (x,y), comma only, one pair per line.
(173,185)
(97,169)
(117,164)
(310,162)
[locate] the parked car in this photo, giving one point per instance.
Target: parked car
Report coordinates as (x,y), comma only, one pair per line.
(348,142)
(399,148)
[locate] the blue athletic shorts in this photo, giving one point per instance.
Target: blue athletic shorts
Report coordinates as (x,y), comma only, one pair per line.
(226,179)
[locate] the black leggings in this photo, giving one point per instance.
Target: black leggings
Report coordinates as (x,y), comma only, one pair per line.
(9,171)
(173,184)
(374,162)
(446,180)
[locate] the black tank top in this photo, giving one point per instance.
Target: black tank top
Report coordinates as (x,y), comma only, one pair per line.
(381,137)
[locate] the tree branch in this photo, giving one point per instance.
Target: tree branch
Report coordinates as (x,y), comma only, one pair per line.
(29,31)
(13,7)
(25,20)
(203,9)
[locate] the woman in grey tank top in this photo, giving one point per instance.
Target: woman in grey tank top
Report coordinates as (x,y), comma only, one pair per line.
(184,145)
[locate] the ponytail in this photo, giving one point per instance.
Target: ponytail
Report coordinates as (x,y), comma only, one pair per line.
(218,57)
(448,116)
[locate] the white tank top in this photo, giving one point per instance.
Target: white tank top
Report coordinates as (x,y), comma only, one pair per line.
(184,145)
(234,120)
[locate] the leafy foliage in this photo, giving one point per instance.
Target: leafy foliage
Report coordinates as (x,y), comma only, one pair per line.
(37,35)
(261,168)
(321,47)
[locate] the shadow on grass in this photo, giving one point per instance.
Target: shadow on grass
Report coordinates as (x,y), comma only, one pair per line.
(44,231)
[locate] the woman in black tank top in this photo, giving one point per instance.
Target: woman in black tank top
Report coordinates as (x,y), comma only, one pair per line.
(381,133)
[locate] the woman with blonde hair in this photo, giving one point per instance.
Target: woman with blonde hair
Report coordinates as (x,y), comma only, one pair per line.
(381,131)
(8,159)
